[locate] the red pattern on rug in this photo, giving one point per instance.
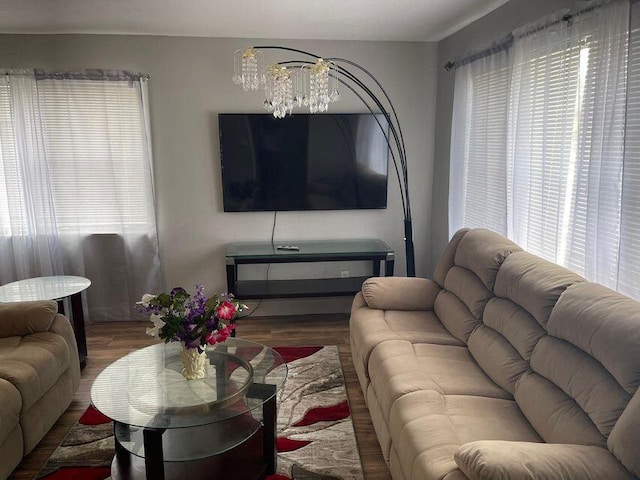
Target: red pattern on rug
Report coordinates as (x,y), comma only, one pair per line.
(93,417)
(284,444)
(296,353)
(81,473)
(324,414)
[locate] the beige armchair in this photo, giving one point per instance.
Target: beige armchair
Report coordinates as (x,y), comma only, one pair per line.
(39,374)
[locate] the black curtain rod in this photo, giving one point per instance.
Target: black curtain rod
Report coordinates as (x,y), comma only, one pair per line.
(505,42)
(90,74)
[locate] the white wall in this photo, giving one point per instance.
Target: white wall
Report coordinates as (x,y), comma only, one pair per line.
(190,83)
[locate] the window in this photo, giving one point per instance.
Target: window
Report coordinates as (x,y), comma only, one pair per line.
(544,146)
(95,174)
(76,192)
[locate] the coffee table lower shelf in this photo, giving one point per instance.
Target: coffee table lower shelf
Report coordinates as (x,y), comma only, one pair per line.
(244,462)
(252,458)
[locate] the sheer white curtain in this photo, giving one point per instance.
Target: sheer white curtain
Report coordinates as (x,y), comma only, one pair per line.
(76,186)
(479,145)
(564,131)
(28,231)
(629,273)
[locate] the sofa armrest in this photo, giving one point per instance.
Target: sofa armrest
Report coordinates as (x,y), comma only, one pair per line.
(24,318)
(502,460)
(400,293)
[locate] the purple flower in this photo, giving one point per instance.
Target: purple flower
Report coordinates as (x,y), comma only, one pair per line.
(195,343)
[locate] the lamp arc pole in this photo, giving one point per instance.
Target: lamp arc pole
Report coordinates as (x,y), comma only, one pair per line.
(371,101)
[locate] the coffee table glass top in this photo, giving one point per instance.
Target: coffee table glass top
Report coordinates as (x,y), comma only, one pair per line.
(309,248)
(146,387)
(43,288)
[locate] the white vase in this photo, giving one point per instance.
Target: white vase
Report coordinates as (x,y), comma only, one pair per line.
(194,363)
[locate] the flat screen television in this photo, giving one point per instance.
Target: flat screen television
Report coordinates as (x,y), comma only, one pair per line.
(303,162)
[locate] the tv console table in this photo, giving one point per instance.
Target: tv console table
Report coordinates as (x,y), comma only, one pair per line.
(373,250)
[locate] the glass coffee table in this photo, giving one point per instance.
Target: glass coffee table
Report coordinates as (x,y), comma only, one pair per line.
(57,287)
(220,427)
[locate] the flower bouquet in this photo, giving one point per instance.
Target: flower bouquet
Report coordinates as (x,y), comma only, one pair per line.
(194,320)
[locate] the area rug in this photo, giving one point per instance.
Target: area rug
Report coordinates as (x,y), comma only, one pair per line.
(316,440)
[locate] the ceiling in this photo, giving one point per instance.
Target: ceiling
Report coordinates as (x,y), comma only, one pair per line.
(382,20)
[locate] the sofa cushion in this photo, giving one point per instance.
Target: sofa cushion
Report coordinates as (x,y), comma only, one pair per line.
(369,327)
(10,405)
(37,421)
(515,324)
(23,318)
(582,378)
(428,428)
(554,414)
(607,329)
(533,283)
(482,252)
(497,357)
(399,367)
(468,287)
(500,460)
(33,364)
(455,316)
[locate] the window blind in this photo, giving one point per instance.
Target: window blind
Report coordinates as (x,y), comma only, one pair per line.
(541,128)
(94,142)
(98,178)
(479,144)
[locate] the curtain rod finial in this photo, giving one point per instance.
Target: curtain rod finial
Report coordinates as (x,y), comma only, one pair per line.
(449,66)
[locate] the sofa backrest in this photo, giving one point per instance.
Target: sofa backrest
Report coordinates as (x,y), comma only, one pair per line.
(526,289)
(25,318)
(567,349)
(466,272)
(585,371)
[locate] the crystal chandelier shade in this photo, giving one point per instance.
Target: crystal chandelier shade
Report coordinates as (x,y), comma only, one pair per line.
(248,69)
(278,91)
(314,86)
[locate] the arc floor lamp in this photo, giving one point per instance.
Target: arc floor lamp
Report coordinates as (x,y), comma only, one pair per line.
(315,84)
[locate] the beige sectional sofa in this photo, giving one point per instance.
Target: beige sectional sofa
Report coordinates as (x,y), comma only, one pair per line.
(39,374)
(504,366)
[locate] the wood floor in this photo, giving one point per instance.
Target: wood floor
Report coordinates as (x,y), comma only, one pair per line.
(110,341)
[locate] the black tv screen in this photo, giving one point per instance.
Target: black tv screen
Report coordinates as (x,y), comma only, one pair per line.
(303,162)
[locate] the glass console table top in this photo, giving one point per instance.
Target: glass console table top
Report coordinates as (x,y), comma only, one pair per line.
(43,288)
(146,389)
(309,248)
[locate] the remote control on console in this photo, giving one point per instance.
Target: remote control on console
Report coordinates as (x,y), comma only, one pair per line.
(287,247)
